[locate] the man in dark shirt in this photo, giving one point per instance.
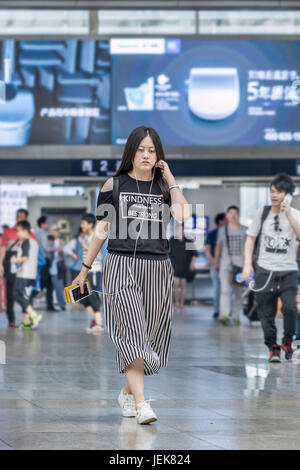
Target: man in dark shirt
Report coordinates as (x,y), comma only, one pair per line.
(183,262)
(210,245)
(41,233)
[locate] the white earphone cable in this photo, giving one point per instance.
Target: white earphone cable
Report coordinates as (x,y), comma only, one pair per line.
(252,283)
(135,248)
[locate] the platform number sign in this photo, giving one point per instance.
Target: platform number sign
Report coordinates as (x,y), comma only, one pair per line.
(103,167)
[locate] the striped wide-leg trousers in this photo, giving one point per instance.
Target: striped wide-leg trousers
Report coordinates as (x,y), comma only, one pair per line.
(138,318)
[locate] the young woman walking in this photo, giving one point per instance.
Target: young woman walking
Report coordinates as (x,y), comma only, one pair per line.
(135,208)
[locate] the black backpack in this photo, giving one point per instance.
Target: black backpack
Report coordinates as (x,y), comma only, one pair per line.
(115,191)
(249,304)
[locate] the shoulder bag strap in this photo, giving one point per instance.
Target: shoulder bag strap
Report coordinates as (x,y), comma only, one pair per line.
(264,215)
(115,191)
(228,244)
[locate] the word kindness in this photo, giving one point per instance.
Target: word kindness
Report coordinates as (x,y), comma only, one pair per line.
(141,198)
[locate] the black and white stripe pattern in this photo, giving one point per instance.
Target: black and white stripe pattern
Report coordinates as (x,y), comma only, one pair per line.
(138,319)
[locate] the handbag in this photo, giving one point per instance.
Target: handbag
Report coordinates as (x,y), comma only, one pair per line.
(235,270)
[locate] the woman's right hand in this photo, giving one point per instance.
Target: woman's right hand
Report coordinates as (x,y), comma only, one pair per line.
(80,280)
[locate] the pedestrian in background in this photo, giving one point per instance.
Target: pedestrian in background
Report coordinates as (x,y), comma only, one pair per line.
(8,249)
(229,253)
(41,233)
(77,248)
(56,269)
(24,264)
(210,245)
(183,262)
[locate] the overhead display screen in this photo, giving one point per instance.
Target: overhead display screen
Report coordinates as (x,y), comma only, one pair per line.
(207,92)
(54,92)
(193,92)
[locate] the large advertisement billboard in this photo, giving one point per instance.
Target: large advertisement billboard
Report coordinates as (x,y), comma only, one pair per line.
(207,92)
(194,92)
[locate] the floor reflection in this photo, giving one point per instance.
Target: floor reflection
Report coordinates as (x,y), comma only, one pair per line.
(59,389)
(256,379)
(135,436)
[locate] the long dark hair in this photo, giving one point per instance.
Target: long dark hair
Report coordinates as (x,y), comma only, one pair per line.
(132,144)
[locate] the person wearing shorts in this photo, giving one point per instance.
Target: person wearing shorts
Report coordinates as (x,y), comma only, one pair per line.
(25,264)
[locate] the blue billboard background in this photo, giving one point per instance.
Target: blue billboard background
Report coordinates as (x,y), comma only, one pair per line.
(207,92)
(194,92)
(57,92)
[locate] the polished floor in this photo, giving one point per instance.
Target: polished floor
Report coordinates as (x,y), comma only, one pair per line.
(59,386)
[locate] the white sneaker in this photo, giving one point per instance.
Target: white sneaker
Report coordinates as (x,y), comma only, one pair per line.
(96,329)
(145,414)
(127,404)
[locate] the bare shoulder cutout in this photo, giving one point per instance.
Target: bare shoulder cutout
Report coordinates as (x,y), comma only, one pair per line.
(108,185)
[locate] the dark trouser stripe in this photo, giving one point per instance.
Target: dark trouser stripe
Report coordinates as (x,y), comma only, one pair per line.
(138,319)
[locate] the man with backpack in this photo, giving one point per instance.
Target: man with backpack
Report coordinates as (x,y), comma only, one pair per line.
(270,252)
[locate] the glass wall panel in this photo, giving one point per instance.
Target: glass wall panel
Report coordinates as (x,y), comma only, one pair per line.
(147,22)
(248,22)
(58,22)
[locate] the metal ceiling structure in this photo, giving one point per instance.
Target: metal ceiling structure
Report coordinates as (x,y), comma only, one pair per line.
(157,4)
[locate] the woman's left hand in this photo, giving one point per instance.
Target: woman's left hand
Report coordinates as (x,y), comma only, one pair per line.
(165,171)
